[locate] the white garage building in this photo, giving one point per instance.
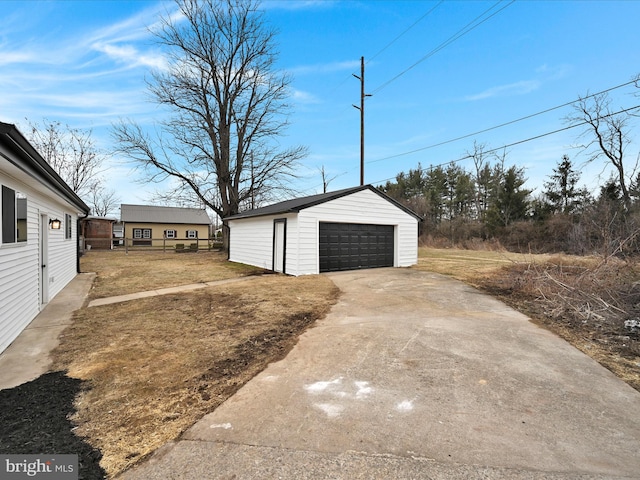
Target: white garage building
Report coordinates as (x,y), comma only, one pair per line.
(349,229)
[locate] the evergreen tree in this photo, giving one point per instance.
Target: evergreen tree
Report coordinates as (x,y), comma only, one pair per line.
(562,194)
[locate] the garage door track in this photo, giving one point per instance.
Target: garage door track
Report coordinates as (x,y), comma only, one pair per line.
(415,375)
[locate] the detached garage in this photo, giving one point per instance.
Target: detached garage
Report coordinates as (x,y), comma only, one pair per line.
(349,229)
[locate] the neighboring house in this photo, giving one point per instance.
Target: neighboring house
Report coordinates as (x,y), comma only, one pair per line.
(354,228)
(146,225)
(97,232)
(38,233)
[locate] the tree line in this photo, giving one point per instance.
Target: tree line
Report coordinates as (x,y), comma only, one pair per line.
(490,202)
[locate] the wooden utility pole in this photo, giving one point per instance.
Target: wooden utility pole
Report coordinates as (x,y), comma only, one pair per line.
(361,108)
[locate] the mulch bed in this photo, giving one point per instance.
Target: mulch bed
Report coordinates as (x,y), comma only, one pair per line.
(35,419)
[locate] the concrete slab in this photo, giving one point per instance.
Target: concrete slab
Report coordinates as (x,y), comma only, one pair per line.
(28,356)
(415,375)
(162,291)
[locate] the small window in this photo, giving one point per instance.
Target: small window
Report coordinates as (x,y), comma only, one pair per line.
(170,234)
(192,234)
(141,233)
(67,226)
(14,216)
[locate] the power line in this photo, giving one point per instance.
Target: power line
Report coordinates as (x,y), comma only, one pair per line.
(406,30)
(503,147)
(460,33)
(526,117)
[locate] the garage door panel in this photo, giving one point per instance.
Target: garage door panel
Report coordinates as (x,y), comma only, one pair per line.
(349,246)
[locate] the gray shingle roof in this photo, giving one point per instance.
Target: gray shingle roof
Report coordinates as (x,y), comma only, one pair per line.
(31,162)
(153,214)
(297,204)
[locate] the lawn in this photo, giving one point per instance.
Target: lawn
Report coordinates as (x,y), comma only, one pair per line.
(120,273)
(156,365)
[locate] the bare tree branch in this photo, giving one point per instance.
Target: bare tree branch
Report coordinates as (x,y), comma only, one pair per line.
(227,106)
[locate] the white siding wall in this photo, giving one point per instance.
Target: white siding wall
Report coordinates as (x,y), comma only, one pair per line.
(252,241)
(252,238)
(364,206)
(20,262)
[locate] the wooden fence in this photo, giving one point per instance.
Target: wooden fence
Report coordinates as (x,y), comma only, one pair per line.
(178,245)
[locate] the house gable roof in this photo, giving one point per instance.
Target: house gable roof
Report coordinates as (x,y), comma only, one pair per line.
(297,204)
(154,214)
(26,158)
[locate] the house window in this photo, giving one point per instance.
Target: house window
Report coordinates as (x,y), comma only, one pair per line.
(170,234)
(141,233)
(67,226)
(14,216)
(192,234)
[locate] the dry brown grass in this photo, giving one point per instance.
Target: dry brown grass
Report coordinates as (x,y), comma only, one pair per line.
(581,299)
(137,271)
(157,365)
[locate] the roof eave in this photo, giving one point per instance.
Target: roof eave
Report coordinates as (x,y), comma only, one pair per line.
(45,173)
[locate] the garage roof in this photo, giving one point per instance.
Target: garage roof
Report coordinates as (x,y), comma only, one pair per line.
(153,214)
(297,204)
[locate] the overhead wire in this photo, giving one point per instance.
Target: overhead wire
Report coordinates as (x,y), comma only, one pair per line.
(459,34)
(519,142)
(405,31)
(511,122)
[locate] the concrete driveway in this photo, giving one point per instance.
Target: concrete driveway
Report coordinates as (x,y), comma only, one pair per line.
(415,375)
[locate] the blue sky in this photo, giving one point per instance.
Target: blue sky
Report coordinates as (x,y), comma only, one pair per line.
(84,63)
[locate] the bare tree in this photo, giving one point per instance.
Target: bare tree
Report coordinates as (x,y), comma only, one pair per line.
(71,152)
(482,177)
(607,133)
(104,201)
(325,179)
(227,106)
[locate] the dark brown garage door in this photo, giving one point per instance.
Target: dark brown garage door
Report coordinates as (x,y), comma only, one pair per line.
(349,246)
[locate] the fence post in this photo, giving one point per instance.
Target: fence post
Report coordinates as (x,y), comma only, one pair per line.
(126,246)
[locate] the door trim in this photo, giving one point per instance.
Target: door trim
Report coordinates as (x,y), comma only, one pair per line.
(276,244)
(44,259)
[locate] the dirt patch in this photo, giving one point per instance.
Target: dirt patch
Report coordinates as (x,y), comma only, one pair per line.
(157,365)
(35,419)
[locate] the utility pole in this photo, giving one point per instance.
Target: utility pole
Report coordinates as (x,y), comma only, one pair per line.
(361,108)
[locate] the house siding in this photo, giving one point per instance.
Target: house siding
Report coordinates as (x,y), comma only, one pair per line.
(20,262)
(251,242)
(158,229)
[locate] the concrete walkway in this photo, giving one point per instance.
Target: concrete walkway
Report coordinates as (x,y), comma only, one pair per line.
(162,291)
(28,356)
(415,375)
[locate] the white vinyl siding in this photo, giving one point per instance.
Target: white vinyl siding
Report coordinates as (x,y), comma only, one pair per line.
(251,239)
(20,262)
(251,242)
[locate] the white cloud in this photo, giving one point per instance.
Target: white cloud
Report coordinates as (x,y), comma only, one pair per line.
(325,67)
(131,56)
(298,5)
(300,96)
(518,88)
